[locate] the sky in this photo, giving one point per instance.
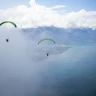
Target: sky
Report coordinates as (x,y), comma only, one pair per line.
(71,5)
(64,14)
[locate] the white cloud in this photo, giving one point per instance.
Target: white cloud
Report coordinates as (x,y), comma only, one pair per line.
(58,6)
(32,2)
(39,15)
(52,49)
(23,68)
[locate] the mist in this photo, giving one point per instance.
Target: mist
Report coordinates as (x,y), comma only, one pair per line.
(25,70)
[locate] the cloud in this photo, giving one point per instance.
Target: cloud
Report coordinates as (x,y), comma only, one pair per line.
(26,71)
(40,15)
(32,2)
(22,67)
(58,6)
(42,50)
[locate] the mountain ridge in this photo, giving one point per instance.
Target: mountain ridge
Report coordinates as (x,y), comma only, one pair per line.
(81,36)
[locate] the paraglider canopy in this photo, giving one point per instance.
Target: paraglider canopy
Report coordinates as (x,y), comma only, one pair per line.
(9,22)
(46,39)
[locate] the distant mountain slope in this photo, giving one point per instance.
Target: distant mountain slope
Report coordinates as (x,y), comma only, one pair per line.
(71,36)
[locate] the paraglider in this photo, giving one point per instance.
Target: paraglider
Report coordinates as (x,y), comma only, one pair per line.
(7,40)
(47,54)
(9,22)
(46,39)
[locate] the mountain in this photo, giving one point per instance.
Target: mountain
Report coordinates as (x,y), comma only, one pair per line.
(70,36)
